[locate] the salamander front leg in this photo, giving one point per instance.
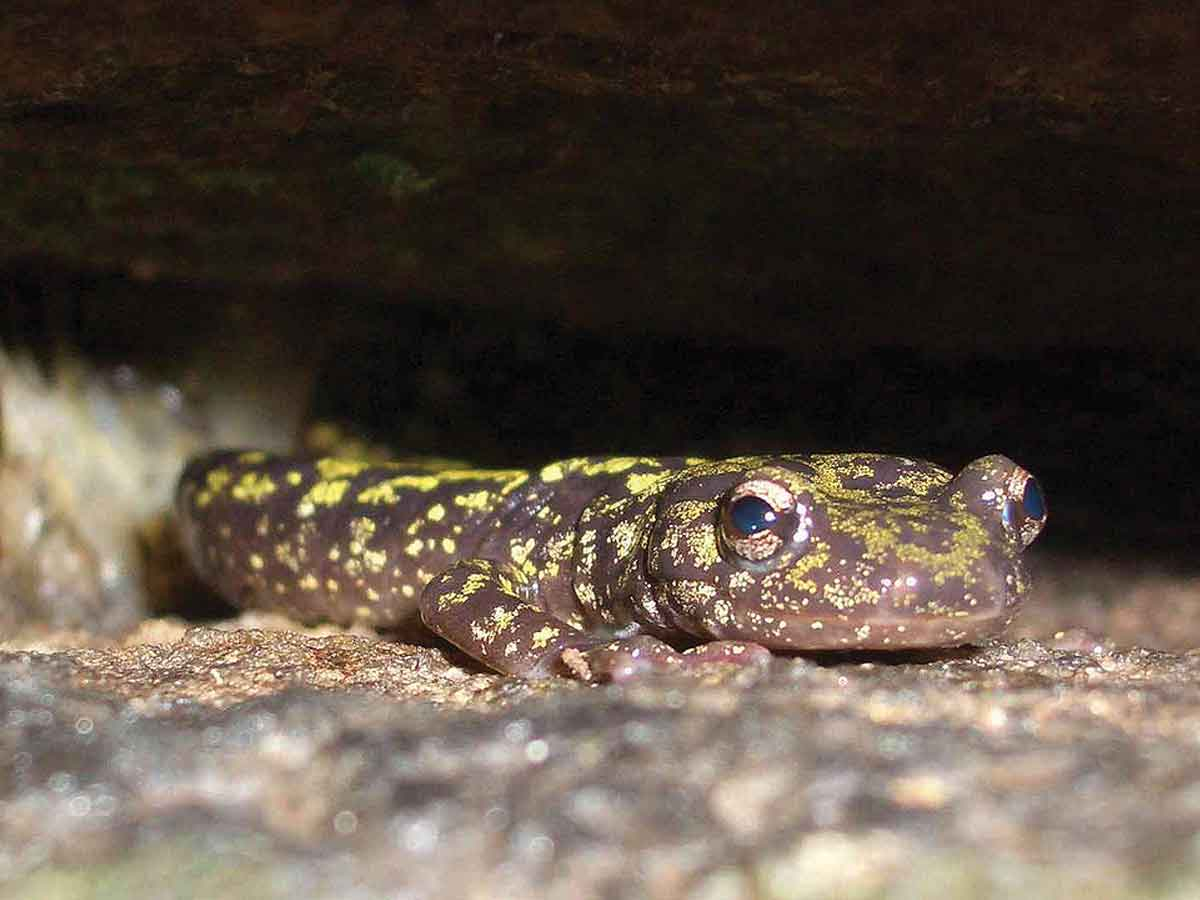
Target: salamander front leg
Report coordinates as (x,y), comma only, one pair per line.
(477,605)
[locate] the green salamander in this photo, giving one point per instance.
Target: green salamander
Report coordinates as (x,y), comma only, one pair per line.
(596,567)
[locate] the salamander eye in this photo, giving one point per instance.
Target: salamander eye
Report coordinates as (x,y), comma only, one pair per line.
(1033,500)
(750,515)
(1024,511)
(753,518)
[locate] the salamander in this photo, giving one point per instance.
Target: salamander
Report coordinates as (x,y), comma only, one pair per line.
(604,568)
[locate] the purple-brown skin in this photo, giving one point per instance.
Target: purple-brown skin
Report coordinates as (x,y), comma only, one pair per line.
(596,567)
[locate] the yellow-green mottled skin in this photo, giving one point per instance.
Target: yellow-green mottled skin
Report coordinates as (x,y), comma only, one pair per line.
(588,566)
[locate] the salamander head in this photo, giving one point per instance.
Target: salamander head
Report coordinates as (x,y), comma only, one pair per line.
(843,551)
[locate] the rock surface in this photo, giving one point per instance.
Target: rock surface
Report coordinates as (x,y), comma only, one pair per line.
(841,169)
(255,763)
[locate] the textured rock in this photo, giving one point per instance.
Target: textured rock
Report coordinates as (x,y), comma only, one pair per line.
(255,762)
(842,169)
(88,463)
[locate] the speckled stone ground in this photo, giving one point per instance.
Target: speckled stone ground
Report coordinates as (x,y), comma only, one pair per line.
(248,761)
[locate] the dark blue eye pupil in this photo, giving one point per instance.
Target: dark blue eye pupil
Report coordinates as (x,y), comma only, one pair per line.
(1033,501)
(750,515)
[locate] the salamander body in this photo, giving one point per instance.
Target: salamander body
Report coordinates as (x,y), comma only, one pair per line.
(600,567)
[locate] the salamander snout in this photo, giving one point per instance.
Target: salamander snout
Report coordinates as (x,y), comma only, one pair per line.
(939,572)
